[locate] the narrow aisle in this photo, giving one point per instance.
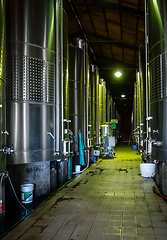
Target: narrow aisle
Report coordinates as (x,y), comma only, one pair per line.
(109,201)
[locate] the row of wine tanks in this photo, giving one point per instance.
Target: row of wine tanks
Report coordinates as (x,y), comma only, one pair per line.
(52,101)
(155,126)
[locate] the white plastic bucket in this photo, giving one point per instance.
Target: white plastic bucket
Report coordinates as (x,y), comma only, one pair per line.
(77,168)
(147,169)
(27,193)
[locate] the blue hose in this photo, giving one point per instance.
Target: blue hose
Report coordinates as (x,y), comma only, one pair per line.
(70,160)
(81,150)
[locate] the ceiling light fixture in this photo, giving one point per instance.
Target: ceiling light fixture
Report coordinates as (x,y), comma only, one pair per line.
(118,74)
(123,95)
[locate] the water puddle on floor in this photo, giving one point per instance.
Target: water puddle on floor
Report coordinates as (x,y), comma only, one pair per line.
(98,171)
(79,183)
(122,170)
(61,199)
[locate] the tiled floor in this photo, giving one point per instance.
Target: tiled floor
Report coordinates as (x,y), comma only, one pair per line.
(109,201)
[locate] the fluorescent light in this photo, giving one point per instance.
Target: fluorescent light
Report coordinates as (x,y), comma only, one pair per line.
(118,74)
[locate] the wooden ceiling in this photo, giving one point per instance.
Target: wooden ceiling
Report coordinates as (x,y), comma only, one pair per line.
(114,30)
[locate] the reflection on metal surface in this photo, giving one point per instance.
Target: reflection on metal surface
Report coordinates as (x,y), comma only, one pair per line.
(2,109)
(76,85)
(2,41)
(102,101)
(156,19)
(95,105)
(157,77)
(30,80)
(2,82)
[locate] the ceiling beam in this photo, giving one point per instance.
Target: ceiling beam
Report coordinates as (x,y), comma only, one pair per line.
(137,23)
(115,62)
(94,30)
(104,41)
(76,16)
(108,5)
(107,31)
(112,42)
(120,14)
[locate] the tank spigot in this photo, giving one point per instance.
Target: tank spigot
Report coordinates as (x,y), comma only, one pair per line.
(7,150)
(158,143)
(155,142)
(49,133)
(5,132)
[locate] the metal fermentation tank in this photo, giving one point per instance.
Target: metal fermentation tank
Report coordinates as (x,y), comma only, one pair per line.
(62,162)
(2,84)
(79,95)
(108,106)
(157,17)
(142,76)
(30,96)
(76,94)
(2,111)
(102,100)
(94,105)
(135,107)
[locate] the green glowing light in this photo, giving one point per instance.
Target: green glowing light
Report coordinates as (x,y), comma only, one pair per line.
(157,11)
(2,39)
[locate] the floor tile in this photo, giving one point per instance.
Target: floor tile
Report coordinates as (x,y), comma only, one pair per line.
(160,231)
(144,231)
(160,237)
(147,237)
(114,204)
(112,237)
(129,231)
(93,236)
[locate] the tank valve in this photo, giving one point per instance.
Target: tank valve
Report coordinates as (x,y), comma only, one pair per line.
(5,132)
(155,131)
(49,133)
(158,143)
(7,150)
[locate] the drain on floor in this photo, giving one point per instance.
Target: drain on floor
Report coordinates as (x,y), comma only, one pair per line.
(61,199)
(80,182)
(98,171)
(127,160)
(122,170)
(77,184)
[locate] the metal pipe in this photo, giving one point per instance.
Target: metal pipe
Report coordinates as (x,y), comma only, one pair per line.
(140,87)
(62,85)
(87,94)
(57,117)
(146,56)
(104,41)
(137,117)
(84,108)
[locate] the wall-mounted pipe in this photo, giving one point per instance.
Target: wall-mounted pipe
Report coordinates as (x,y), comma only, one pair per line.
(87,90)
(146,56)
(62,69)
(57,117)
(140,93)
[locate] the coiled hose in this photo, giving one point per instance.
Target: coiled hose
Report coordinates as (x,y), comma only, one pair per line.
(6,174)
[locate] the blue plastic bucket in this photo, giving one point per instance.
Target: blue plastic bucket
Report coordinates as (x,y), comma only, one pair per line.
(134,147)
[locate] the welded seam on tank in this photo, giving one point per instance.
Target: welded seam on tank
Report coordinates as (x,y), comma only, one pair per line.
(33,45)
